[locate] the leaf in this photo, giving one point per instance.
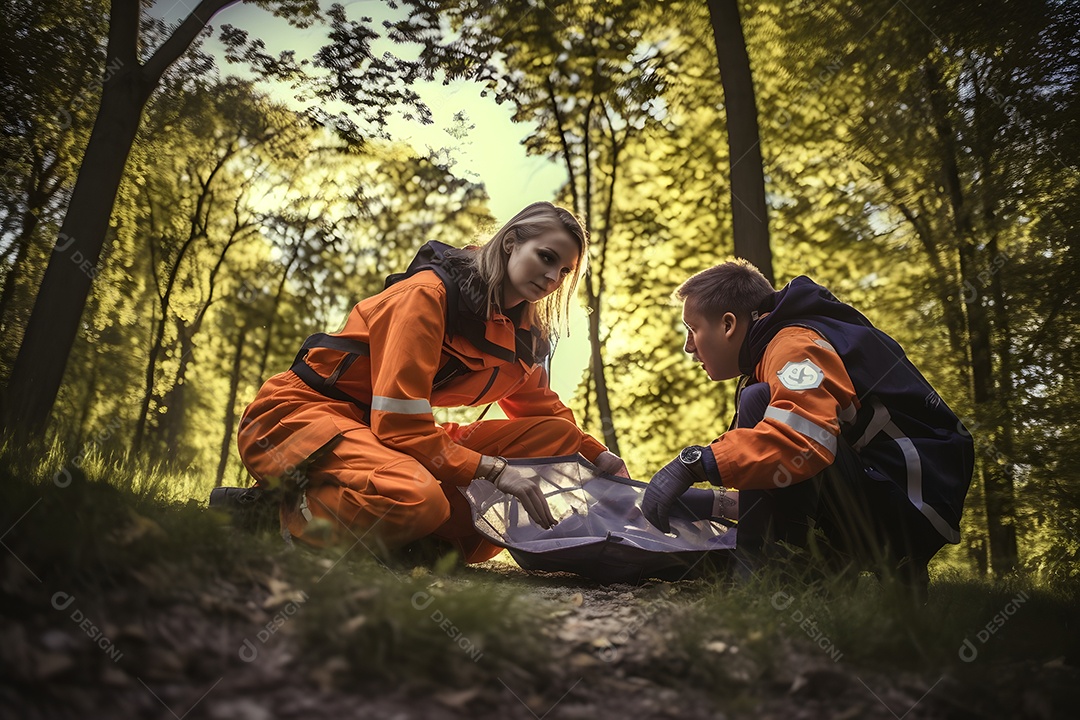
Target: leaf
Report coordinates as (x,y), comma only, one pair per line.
(458,699)
(281,593)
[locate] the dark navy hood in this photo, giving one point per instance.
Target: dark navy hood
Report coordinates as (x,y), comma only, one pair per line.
(876,363)
(802,302)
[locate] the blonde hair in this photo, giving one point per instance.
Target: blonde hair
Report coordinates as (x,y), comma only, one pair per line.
(550,314)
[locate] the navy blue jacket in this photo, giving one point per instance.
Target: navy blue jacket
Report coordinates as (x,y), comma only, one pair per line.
(903,432)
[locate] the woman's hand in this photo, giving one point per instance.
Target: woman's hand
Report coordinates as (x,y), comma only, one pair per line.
(524,486)
(612,464)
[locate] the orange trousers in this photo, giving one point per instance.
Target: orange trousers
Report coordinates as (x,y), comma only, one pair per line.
(384,499)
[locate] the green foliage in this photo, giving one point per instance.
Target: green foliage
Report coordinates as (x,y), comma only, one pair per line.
(918,158)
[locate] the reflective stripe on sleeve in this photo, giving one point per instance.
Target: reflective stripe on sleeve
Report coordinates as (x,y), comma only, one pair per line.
(403,407)
(877,423)
(804,427)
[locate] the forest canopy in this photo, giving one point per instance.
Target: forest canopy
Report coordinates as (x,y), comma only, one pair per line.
(920,159)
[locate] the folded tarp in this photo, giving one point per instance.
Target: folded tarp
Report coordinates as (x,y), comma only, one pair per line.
(601,533)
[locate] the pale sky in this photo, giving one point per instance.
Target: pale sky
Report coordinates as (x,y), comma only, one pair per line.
(492,153)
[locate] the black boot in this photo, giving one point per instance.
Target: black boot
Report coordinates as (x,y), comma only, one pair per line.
(253,509)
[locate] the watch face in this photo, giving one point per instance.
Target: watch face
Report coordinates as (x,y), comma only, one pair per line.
(690,455)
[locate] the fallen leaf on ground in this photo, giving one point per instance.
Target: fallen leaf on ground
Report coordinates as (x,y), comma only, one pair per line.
(353,624)
(457,699)
(282,592)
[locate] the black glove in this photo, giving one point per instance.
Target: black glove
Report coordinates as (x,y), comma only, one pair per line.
(664,490)
(695,504)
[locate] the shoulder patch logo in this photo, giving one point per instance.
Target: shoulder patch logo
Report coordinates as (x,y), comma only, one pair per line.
(803,375)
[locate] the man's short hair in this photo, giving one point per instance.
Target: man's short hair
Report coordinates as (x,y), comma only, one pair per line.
(735,286)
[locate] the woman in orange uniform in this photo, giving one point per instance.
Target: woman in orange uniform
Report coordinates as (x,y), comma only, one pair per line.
(349,427)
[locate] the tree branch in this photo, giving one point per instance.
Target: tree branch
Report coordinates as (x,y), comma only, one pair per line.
(181,38)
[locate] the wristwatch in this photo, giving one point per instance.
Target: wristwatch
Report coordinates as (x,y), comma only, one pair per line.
(691,455)
(691,459)
(497,466)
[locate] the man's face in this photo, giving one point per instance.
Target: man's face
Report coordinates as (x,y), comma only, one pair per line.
(714,344)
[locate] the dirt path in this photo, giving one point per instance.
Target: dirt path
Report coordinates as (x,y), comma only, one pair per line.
(613,653)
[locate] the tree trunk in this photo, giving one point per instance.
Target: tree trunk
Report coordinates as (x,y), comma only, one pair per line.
(582,201)
(230,404)
(1000,505)
(8,326)
(22,244)
(603,404)
(271,320)
(54,321)
(945,287)
(148,384)
(166,445)
(749,215)
(89,395)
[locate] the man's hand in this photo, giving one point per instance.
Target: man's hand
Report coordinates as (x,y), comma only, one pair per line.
(612,464)
(513,481)
(664,490)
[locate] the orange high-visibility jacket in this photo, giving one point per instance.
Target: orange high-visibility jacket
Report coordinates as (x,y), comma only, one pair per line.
(811,393)
(387,368)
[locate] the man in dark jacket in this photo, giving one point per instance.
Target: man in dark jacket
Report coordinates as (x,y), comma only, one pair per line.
(835,429)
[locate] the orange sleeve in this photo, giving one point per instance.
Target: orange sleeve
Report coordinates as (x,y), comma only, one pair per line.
(809,391)
(536,399)
(406,336)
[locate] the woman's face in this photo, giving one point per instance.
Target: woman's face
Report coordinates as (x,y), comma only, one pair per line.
(537,267)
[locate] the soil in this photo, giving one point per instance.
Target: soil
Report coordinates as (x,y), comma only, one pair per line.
(184,658)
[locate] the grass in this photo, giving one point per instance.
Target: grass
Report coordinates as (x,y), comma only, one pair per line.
(967,624)
(108,533)
(130,543)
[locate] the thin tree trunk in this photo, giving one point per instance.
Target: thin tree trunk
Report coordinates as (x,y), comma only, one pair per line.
(11,279)
(945,288)
(272,320)
(1000,503)
(35,203)
(198,228)
(89,395)
(230,404)
(748,212)
(170,425)
(1003,456)
(175,404)
(603,403)
(155,348)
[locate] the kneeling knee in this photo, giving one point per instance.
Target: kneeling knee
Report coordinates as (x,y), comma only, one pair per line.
(415,494)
